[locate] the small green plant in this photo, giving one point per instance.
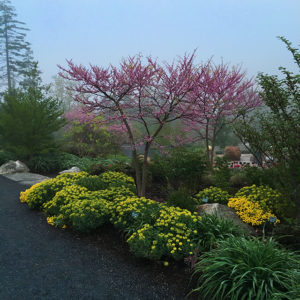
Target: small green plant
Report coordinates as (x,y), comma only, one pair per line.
(214,229)
(181,198)
(180,168)
(212,195)
(248,269)
(92,183)
(5,156)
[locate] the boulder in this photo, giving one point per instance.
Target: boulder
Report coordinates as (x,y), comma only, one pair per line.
(72,170)
(223,211)
(13,167)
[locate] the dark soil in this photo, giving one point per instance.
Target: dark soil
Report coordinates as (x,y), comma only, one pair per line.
(38,261)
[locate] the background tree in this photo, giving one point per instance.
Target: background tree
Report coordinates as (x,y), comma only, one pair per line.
(223,94)
(16,55)
(275,131)
(28,119)
(136,91)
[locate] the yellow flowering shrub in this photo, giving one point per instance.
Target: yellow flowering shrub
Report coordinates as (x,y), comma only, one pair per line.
(212,195)
(250,212)
(44,191)
(131,213)
(174,234)
(116,177)
(268,198)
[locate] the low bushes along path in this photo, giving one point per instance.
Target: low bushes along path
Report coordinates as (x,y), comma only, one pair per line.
(38,261)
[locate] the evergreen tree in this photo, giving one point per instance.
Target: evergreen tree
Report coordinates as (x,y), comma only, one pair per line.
(15,52)
(28,119)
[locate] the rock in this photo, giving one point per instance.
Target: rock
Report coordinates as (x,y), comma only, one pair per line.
(72,170)
(26,178)
(223,211)
(13,167)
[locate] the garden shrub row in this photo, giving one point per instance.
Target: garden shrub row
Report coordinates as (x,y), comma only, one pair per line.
(154,230)
(230,266)
(254,204)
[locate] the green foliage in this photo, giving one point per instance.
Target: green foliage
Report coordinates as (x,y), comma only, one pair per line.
(248,269)
(214,229)
(28,120)
(267,198)
(90,139)
(92,183)
(5,156)
(221,174)
(274,131)
(181,198)
(212,195)
(180,168)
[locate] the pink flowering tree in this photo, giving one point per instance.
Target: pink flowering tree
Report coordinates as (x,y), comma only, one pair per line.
(138,90)
(222,95)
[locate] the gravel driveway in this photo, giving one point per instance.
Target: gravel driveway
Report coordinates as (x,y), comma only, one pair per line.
(38,261)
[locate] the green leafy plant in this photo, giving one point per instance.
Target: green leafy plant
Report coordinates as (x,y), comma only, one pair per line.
(180,168)
(248,269)
(182,199)
(5,156)
(214,229)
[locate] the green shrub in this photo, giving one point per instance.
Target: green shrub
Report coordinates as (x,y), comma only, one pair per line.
(180,168)
(28,120)
(267,198)
(92,183)
(248,269)
(212,195)
(109,165)
(181,198)
(47,163)
(5,156)
(221,174)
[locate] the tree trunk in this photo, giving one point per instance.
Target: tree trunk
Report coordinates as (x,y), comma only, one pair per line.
(144,170)
(9,85)
(137,171)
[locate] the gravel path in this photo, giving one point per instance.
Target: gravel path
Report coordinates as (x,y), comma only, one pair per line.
(38,261)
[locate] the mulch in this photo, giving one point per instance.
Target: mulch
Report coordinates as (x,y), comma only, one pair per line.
(38,261)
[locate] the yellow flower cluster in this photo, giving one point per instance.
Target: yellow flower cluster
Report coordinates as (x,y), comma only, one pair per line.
(111,177)
(212,195)
(50,221)
(173,234)
(250,212)
(24,195)
(267,198)
(44,191)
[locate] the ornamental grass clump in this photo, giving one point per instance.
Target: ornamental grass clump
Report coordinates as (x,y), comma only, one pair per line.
(212,229)
(248,269)
(251,212)
(212,195)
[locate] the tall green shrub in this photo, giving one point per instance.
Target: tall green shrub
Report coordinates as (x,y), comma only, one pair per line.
(28,120)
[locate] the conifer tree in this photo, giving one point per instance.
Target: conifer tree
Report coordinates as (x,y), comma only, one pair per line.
(15,52)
